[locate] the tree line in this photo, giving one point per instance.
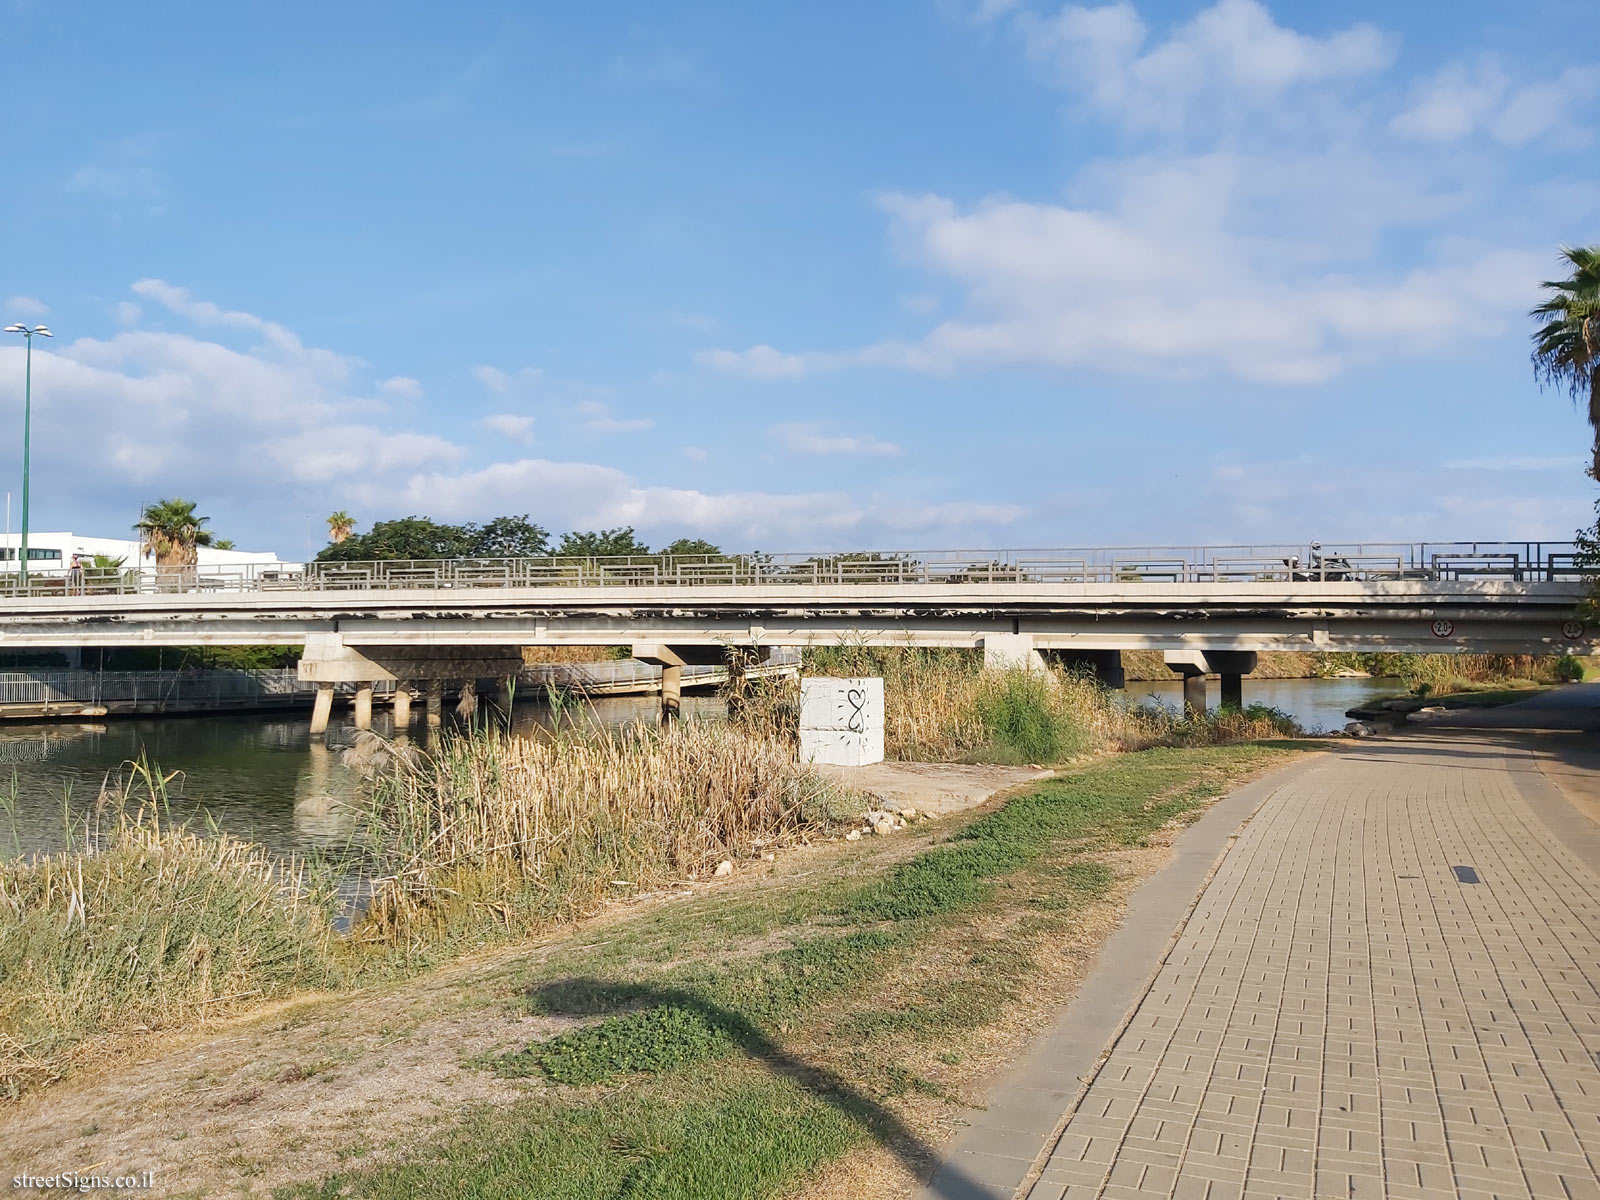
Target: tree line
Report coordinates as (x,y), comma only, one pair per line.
(503,537)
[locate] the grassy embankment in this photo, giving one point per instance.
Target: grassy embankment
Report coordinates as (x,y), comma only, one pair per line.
(736,1045)
(146,927)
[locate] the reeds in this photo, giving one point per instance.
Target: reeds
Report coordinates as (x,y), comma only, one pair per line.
(942,706)
(531,831)
(146,926)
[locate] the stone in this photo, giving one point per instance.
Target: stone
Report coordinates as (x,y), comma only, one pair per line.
(853,836)
(1359,729)
(908,813)
(724,868)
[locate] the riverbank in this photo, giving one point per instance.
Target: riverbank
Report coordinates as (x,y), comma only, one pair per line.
(1435,669)
(816,1017)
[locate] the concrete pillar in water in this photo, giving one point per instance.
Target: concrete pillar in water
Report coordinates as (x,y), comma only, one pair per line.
(402,706)
(363,706)
(670,660)
(435,703)
(1104,665)
(671,693)
(1232,690)
(322,708)
(1195,665)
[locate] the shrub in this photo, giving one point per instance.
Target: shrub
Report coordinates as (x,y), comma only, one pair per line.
(1568,669)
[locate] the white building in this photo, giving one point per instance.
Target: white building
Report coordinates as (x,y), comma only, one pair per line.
(49,553)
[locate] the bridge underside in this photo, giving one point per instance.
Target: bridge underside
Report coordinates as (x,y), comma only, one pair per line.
(1460,617)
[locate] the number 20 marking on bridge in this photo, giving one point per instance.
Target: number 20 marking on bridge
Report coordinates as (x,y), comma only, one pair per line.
(1443,629)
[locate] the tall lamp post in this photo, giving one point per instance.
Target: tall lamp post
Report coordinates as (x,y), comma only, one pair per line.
(26,331)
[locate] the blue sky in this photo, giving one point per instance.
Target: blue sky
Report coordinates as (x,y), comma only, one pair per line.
(797,276)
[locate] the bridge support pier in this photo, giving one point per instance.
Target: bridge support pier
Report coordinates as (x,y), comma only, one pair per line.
(363,716)
(1195,665)
(402,707)
(321,708)
(1003,651)
(1232,690)
(670,659)
(1104,665)
(435,715)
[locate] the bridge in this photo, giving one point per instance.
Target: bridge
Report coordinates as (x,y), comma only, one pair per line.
(1210,609)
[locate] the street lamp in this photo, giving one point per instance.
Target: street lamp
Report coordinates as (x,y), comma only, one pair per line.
(27,431)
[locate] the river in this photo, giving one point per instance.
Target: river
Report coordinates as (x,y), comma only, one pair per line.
(263,777)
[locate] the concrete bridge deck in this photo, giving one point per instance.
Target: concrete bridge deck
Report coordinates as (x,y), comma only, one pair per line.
(1388,988)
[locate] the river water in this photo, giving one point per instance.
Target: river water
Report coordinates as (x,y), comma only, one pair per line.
(265,778)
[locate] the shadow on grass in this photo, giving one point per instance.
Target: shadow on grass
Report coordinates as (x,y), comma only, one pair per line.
(580,996)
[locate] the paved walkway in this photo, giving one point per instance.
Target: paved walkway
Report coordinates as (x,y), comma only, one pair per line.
(1389,988)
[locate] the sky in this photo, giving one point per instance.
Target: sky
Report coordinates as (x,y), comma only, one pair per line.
(800,276)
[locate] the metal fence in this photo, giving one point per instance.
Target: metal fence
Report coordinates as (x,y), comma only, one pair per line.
(1342,562)
(152,687)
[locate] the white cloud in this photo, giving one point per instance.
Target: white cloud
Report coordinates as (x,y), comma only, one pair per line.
(26,308)
(1230,55)
(809,439)
(402,386)
(1461,101)
(1521,462)
(1202,285)
(280,340)
(597,418)
(126,312)
(514,427)
(694,454)
(588,496)
(761,362)
(504,382)
(263,436)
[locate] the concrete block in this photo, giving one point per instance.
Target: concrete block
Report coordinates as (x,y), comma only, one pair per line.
(841,721)
(839,748)
(850,705)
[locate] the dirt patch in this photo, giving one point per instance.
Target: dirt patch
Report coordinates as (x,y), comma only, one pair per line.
(934,788)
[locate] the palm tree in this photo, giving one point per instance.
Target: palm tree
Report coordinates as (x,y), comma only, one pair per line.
(1566,346)
(174,534)
(340,526)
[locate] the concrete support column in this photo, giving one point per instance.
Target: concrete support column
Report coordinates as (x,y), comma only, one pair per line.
(1232,690)
(435,716)
(322,708)
(1003,651)
(363,706)
(1104,665)
(670,659)
(402,707)
(671,693)
(1195,665)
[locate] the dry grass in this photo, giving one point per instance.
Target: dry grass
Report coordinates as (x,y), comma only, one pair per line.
(147,927)
(531,831)
(941,705)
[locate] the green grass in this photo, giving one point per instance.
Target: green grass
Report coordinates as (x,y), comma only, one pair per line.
(706,1068)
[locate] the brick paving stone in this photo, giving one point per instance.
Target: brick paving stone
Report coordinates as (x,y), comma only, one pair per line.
(1342,1017)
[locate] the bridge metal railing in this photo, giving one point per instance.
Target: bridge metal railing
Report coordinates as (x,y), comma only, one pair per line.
(1362,562)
